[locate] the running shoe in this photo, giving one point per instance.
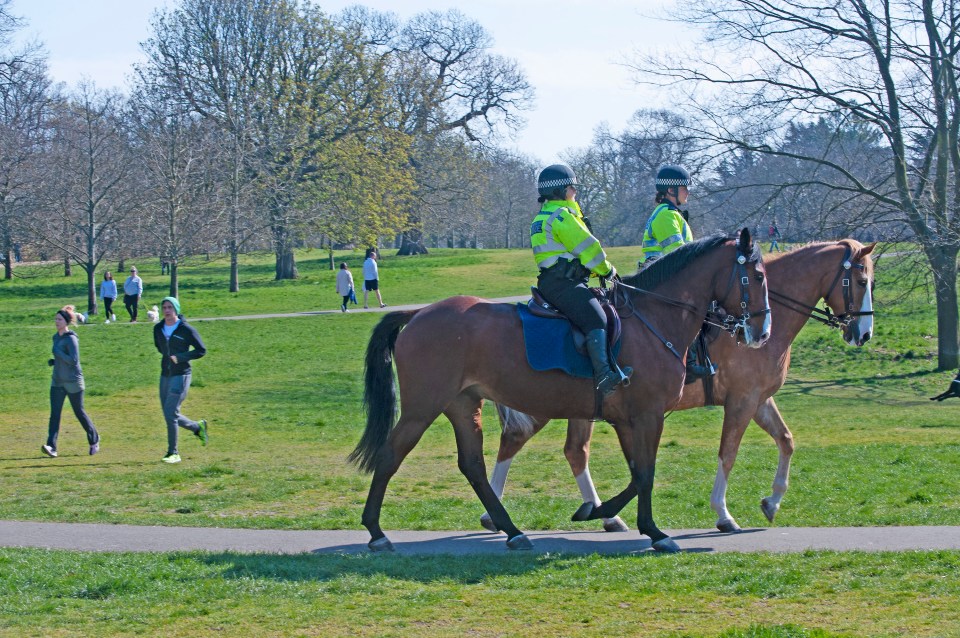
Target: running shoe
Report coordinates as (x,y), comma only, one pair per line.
(171,458)
(201,432)
(49,451)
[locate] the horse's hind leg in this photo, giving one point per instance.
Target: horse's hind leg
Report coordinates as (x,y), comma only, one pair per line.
(577,451)
(464,414)
(516,429)
(768,417)
(402,439)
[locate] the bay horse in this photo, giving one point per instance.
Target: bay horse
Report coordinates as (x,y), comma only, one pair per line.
(840,273)
(456,353)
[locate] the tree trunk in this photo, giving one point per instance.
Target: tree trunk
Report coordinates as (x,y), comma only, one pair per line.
(122,264)
(91,289)
(330,251)
(67,267)
(234,267)
(7,264)
(943,259)
(286,262)
(412,243)
(174,279)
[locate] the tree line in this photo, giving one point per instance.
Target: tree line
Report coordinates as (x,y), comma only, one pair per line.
(269,124)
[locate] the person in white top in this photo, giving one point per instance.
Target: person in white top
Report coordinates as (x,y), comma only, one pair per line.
(108,292)
(344,285)
(371,278)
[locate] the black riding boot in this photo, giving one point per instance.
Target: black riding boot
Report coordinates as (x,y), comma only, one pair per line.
(605,378)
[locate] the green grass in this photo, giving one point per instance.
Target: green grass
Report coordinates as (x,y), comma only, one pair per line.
(283,400)
(213,594)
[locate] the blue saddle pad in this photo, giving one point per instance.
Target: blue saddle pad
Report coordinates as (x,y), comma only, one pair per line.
(550,346)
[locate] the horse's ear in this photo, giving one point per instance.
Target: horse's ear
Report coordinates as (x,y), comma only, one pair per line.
(746,245)
(866,250)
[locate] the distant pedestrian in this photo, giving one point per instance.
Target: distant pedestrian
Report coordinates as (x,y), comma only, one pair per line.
(371,278)
(67,382)
(108,292)
(164,265)
(179,343)
(344,285)
(132,291)
(16,253)
(775,237)
(952,391)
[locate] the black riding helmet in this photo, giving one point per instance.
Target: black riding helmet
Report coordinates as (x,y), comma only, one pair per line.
(670,176)
(553,181)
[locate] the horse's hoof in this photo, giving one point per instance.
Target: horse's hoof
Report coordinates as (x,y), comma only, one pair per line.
(487,523)
(666,545)
(382,544)
(615,524)
(728,526)
(583,513)
(520,541)
(769,509)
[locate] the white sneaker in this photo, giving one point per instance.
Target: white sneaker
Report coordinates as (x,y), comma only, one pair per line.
(113,317)
(49,451)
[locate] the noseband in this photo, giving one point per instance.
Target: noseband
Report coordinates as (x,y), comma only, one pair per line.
(825,315)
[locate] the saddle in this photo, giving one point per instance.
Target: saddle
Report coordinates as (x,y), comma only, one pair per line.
(540,307)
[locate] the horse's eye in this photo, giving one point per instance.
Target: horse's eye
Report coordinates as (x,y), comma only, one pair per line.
(759,277)
(863,283)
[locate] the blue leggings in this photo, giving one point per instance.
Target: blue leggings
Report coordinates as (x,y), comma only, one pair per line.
(173,391)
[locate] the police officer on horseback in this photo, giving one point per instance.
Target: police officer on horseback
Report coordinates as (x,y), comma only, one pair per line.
(667,228)
(567,254)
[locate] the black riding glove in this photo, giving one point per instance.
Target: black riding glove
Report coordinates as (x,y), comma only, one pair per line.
(50,362)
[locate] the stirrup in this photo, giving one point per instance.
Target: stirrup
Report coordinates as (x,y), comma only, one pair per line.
(608,383)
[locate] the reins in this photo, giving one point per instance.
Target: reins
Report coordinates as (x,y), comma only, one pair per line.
(712,316)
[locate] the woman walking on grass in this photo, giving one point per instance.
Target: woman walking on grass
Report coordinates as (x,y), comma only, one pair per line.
(67,383)
(344,285)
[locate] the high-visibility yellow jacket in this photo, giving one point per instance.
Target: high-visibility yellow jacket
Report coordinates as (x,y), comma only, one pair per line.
(558,232)
(666,230)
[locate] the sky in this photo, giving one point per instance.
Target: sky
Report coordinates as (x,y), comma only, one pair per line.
(572,52)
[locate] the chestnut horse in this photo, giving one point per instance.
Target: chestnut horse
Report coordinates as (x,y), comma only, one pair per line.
(840,273)
(454,354)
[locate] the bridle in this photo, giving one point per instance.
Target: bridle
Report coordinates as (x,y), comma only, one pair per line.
(623,303)
(825,315)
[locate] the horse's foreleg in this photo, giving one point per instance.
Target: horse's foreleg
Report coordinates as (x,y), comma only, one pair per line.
(736,418)
(465,415)
(768,417)
(645,430)
(402,439)
(577,451)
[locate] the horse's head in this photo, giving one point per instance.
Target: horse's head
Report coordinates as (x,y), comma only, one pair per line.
(746,294)
(850,296)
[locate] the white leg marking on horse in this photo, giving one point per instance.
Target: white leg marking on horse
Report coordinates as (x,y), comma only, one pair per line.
(718,498)
(498,478)
(587,491)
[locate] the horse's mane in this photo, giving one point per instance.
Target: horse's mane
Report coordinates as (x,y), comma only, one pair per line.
(813,245)
(670,264)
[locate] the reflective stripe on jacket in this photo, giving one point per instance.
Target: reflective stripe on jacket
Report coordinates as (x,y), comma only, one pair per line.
(558,232)
(666,231)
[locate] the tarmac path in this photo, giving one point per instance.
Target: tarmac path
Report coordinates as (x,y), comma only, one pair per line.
(93,537)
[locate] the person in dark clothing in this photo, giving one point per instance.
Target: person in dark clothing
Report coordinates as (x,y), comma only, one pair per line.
(67,382)
(179,343)
(952,391)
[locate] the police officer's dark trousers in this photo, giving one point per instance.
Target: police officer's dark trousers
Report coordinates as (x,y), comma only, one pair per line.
(565,286)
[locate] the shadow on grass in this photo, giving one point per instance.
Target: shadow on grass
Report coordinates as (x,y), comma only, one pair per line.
(425,568)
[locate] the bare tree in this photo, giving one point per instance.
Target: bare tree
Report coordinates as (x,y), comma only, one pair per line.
(889,65)
(87,195)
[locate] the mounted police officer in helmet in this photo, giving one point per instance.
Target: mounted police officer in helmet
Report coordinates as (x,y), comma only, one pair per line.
(567,254)
(667,228)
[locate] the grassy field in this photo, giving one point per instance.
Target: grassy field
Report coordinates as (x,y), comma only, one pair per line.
(283,400)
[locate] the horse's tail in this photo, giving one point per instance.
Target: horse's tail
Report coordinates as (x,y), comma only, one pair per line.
(379,392)
(515,421)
